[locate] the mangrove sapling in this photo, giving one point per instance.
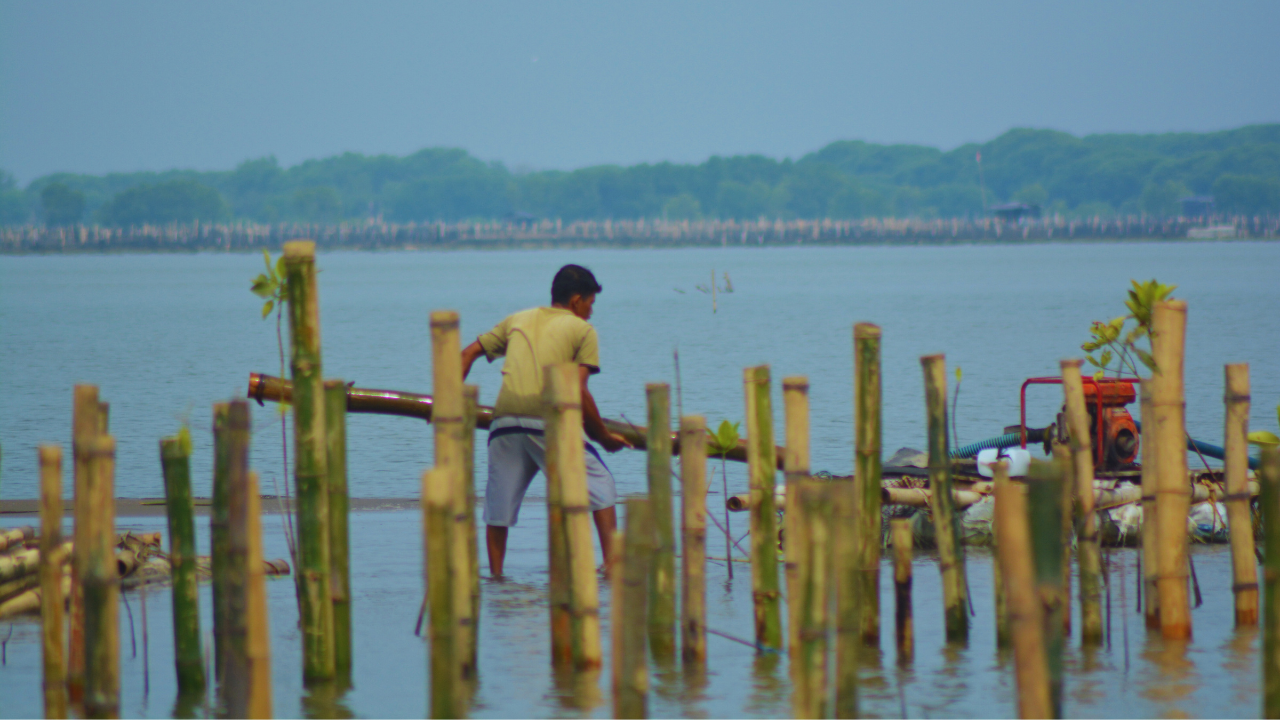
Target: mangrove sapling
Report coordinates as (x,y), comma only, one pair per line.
(271,286)
(724,439)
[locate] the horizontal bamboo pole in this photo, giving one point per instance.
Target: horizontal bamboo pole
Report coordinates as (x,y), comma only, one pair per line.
(16,536)
(264,387)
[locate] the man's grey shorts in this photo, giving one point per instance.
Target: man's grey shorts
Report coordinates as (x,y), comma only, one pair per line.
(517,451)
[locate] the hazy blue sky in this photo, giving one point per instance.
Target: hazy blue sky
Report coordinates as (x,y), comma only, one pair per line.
(93,86)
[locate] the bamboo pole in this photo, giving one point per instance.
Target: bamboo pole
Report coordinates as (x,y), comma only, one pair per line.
(945,522)
(693,493)
(809,699)
(1168,336)
(1088,554)
(101,584)
(1150,520)
(866,357)
(335,433)
(175,460)
(1003,637)
(219,541)
(558,593)
(563,388)
(843,570)
(1269,475)
(1045,507)
(1026,612)
(449,422)
(232,464)
(902,539)
(85,425)
(51,564)
(764,519)
(1062,460)
(662,584)
(257,703)
(630,587)
(1236,468)
(310,467)
(445,670)
(795,463)
(470,402)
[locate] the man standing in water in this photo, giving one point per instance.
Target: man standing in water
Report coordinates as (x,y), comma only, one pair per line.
(530,340)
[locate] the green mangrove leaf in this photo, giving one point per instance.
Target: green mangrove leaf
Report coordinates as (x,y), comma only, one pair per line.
(267,308)
(725,438)
(1146,358)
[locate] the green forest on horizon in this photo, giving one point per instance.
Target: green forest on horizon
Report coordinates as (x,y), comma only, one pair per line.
(1104,175)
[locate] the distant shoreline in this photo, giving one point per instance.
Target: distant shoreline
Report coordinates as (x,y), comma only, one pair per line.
(627,234)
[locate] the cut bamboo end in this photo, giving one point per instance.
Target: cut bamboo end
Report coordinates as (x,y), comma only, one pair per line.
(300,249)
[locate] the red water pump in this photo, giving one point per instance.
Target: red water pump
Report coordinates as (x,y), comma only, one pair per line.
(1115,434)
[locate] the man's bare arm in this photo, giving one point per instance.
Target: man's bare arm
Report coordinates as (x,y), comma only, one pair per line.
(469,355)
(592,423)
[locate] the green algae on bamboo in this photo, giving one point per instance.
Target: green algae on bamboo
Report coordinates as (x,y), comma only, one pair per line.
(867,448)
(1269,477)
(764,530)
(693,493)
(1088,553)
(335,417)
(630,589)
(310,460)
(945,520)
(54,670)
(188,657)
(1044,508)
(662,583)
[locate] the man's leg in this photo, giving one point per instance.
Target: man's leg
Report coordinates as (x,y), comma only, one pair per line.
(496,538)
(606,524)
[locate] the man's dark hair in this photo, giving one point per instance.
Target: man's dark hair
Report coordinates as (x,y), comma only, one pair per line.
(573,280)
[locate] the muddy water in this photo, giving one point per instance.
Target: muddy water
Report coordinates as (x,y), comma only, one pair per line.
(1136,674)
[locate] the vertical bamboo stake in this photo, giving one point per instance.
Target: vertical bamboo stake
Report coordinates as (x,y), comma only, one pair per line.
(662,584)
(1003,638)
(1062,460)
(558,592)
(900,533)
(310,467)
(219,541)
(1026,613)
(1168,336)
(810,694)
(1150,541)
(101,586)
(795,463)
(232,468)
(175,460)
(470,403)
(51,560)
(693,494)
(1269,478)
(630,586)
(1044,498)
(843,570)
(565,414)
(445,671)
(945,522)
(84,427)
(335,433)
(448,419)
(762,462)
(1087,534)
(258,637)
(1244,567)
(866,358)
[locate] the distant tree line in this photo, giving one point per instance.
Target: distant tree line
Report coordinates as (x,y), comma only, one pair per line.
(1094,176)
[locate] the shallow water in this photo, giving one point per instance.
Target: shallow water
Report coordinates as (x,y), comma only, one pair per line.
(165,336)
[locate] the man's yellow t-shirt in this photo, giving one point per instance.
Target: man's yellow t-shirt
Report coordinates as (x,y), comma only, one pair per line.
(531,340)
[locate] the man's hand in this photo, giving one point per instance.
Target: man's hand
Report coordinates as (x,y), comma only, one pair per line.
(613,442)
